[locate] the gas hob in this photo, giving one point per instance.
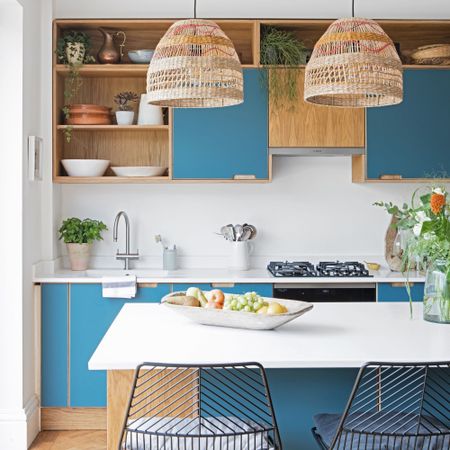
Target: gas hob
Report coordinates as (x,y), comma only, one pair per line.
(332,269)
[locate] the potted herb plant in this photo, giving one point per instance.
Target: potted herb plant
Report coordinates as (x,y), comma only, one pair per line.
(72,49)
(79,235)
(125,114)
(283,53)
(428,222)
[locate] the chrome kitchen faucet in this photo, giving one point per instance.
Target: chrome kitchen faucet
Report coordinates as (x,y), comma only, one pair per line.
(127,255)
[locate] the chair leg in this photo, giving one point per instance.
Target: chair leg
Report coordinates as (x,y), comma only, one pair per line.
(319,439)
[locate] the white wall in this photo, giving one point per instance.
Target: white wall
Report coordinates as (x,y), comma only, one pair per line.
(311,208)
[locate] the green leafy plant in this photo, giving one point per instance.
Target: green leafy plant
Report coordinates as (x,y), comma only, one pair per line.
(281,48)
(68,47)
(428,217)
(77,231)
(122,100)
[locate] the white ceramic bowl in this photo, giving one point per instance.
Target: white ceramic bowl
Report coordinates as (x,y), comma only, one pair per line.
(141,56)
(141,171)
(85,167)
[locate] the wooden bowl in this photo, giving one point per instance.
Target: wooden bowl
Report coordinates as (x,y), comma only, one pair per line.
(432,54)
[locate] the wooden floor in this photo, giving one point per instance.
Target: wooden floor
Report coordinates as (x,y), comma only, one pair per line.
(70,440)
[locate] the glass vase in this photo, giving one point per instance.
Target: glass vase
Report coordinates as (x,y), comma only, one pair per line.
(436,301)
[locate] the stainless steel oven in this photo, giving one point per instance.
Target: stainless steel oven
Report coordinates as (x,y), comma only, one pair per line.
(326,292)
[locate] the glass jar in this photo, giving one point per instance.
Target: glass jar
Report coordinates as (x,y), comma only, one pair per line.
(436,300)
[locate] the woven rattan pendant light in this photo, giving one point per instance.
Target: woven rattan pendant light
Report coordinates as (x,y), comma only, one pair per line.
(195,65)
(354,64)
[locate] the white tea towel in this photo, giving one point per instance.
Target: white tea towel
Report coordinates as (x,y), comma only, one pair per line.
(119,287)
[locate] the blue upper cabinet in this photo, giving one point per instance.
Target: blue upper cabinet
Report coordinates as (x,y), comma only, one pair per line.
(90,316)
(412,139)
(220,143)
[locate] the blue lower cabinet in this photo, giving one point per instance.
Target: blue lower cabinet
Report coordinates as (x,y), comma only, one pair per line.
(299,394)
(90,317)
(263,289)
(54,342)
(387,292)
(219,143)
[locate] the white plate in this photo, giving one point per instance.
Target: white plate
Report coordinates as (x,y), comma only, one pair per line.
(139,171)
(241,319)
(85,167)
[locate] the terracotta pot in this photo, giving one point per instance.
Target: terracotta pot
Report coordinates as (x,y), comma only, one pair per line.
(85,114)
(79,255)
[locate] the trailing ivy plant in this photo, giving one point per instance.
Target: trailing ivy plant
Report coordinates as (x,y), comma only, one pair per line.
(77,231)
(72,50)
(281,48)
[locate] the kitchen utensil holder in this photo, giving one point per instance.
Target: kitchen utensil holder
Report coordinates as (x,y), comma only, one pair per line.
(170,259)
(200,407)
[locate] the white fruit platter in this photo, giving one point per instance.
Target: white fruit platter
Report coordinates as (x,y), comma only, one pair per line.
(228,316)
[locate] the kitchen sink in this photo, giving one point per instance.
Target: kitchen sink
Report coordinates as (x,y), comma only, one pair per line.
(140,273)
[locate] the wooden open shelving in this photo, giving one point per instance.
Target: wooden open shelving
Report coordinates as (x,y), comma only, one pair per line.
(152,145)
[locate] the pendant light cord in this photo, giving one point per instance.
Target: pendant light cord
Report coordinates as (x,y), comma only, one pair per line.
(353,8)
(195,9)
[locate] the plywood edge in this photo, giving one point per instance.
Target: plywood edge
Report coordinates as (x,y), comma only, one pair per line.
(73,418)
(358,168)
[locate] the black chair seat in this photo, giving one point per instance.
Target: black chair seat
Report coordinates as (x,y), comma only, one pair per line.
(364,434)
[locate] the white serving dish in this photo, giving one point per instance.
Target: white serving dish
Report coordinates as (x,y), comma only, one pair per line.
(141,56)
(85,167)
(139,171)
(240,319)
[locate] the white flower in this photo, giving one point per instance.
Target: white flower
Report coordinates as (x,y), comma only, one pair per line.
(438,191)
(417,229)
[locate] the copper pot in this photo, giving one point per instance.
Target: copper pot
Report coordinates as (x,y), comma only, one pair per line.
(86,114)
(108,54)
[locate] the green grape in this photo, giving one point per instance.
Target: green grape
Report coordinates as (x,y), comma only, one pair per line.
(247,308)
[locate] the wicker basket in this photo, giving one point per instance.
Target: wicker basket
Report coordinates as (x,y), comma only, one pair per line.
(195,65)
(432,54)
(354,64)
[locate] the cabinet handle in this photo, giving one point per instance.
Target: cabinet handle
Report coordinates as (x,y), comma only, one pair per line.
(147,285)
(390,177)
(222,285)
(400,285)
(244,177)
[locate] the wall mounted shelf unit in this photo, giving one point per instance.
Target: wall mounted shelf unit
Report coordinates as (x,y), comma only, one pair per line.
(155,145)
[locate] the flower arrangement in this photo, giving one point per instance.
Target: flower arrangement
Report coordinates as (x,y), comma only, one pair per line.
(429,244)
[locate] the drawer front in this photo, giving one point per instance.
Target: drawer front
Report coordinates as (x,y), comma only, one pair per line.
(90,317)
(396,292)
(263,289)
(54,343)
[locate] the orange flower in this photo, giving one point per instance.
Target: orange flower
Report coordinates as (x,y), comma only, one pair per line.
(437,202)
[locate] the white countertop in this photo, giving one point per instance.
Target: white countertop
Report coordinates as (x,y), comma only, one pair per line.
(331,335)
(206,275)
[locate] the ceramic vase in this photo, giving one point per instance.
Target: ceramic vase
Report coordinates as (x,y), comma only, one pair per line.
(79,255)
(149,114)
(124,117)
(75,52)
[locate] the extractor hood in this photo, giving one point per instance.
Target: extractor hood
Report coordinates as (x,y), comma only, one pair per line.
(316,151)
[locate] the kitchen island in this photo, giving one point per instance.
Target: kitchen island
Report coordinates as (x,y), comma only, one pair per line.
(311,362)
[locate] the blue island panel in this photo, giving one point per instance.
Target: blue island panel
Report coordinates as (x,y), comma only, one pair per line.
(412,138)
(299,394)
(91,316)
(389,293)
(218,143)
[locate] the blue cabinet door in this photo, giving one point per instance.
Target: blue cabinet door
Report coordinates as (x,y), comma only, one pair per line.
(219,143)
(263,289)
(54,344)
(398,293)
(411,139)
(90,317)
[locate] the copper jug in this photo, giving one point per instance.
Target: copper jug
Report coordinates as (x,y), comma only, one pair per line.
(108,54)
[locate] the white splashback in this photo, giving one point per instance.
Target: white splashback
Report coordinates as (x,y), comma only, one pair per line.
(310,208)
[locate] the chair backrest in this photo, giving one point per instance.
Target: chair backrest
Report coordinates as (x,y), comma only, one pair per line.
(199,401)
(397,405)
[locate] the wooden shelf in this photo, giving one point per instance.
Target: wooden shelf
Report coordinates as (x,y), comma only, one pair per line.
(115,127)
(110,180)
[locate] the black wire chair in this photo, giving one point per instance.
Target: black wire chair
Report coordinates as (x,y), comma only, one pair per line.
(393,406)
(200,407)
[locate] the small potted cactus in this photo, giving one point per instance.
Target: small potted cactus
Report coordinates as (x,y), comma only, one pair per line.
(125,114)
